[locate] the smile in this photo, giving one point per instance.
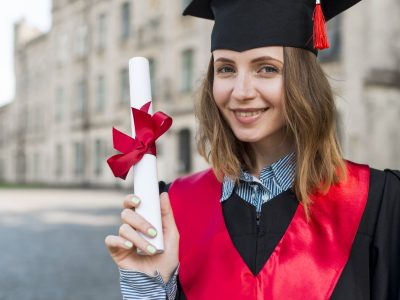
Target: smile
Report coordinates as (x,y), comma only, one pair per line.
(248,115)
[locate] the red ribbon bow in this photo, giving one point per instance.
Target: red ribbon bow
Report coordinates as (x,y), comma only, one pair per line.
(148,129)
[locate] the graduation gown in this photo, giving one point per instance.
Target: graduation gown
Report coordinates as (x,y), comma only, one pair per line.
(372,268)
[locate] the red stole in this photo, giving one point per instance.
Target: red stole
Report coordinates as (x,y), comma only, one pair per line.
(307,262)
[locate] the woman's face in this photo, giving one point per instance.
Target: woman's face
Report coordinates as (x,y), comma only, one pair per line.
(248,91)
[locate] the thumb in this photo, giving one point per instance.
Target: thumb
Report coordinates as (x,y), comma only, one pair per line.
(167,214)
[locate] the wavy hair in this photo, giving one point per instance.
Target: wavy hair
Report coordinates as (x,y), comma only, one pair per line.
(309,112)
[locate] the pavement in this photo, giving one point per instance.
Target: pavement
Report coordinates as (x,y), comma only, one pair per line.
(52,244)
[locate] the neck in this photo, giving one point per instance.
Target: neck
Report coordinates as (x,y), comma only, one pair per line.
(267,152)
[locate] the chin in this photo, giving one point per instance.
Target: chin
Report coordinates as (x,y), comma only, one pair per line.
(247,138)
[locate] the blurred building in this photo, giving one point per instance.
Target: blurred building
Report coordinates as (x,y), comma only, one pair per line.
(72,87)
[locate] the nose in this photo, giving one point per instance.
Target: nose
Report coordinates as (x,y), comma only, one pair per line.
(244,88)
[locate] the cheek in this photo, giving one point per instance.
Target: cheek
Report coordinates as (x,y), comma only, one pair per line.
(220,92)
(274,93)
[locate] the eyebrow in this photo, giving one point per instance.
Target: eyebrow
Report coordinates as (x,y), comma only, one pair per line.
(258,59)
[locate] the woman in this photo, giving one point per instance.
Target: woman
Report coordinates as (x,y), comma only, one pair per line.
(281,215)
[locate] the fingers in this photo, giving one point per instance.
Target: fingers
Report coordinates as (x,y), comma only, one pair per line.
(131,201)
(134,224)
(114,243)
(135,220)
(166,210)
(129,234)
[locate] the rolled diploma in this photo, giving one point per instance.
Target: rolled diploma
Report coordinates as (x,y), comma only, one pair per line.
(145,178)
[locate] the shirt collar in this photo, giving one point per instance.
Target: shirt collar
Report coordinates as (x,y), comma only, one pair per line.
(282,169)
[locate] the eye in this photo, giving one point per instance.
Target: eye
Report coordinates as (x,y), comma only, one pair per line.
(269,69)
(225,69)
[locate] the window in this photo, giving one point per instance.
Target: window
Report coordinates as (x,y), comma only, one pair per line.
(101,32)
(81,97)
(2,132)
(185,151)
(38,125)
(27,122)
(334,37)
(126,20)
(124,86)
(81,42)
(62,48)
(59,105)
(79,158)
(59,160)
(152,69)
(187,70)
(36,165)
(99,156)
(100,93)
(20,164)
(2,170)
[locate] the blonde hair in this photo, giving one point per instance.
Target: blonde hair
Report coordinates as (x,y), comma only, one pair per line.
(309,113)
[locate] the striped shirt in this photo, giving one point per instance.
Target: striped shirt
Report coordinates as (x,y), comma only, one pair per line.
(274,179)
(138,285)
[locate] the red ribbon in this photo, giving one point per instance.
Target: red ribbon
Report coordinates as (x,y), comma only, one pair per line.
(148,129)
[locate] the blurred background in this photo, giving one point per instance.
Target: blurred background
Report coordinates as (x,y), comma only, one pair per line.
(64,85)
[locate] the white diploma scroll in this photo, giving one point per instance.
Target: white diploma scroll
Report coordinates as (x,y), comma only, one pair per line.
(145,178)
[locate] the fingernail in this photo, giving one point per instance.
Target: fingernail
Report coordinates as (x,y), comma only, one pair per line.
(151,249)
(152,232)
(135,200)
(128,244)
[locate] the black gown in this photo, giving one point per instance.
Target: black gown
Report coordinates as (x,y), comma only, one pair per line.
(373,268)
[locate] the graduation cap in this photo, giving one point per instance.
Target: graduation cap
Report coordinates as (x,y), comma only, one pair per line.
(245,24)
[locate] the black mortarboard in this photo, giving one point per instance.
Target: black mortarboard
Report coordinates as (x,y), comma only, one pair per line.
(245,24)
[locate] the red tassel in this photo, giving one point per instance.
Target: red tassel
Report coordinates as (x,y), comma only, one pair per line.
(320,35)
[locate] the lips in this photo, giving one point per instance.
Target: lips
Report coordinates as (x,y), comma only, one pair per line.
(247,116)
(248,113)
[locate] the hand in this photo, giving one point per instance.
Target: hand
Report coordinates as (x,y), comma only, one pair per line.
(122,248)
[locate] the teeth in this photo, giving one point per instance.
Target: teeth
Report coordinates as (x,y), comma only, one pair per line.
(249,114)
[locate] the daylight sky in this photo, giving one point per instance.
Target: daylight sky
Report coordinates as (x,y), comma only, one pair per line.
(37,13)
